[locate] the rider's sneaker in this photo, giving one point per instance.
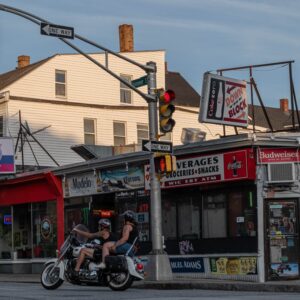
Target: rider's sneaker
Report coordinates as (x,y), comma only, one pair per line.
(102,266)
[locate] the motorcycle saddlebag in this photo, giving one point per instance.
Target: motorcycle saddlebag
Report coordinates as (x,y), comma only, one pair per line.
(116,263)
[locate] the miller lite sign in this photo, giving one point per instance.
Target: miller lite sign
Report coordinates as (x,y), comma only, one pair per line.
(223,101)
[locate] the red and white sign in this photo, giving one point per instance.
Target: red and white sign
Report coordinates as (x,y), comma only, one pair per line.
(278,155)
(205,169)
(223,101)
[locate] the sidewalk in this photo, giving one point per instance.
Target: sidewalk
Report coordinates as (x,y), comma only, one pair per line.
(205,284)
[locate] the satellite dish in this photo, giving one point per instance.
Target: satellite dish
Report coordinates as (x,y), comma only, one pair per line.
(192,135)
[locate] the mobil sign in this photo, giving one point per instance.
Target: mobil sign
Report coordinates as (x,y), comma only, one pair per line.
(223,101)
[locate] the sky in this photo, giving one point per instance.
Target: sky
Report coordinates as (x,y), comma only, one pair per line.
(197,35)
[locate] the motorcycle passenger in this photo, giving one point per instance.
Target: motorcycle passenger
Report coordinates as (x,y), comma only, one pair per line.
(121,246)
(104,234)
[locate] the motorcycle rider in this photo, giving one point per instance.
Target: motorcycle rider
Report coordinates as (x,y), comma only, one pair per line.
(121,246)
(104,234)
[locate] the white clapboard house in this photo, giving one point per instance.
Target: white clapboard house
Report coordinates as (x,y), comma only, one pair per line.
(66,100)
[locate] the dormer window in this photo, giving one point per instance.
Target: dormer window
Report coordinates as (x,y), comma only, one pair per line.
(60,83)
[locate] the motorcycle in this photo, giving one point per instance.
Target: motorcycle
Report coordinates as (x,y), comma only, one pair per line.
(119,274)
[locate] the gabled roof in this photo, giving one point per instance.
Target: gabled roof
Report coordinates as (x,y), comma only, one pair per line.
(279,120)
(185,93)
(10,77)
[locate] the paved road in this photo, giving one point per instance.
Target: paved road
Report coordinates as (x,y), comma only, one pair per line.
(32,291)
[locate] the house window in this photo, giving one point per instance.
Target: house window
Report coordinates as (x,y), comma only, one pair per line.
(89,131)
(119,133)
(125,92)
(142,133)
(60,83)
(1,126)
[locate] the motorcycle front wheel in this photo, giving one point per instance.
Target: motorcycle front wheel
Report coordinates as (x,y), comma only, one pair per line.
(51,281)
(119,281)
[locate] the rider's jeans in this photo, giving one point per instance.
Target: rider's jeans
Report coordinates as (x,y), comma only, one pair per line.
(122,249)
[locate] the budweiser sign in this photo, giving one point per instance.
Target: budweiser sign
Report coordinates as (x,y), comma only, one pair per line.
(275,155)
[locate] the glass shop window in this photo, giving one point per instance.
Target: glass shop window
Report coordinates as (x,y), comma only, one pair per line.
(169,219)
(189,218)
(229,214)
(22,241)
(6,232)
(44,231)
(139,204)
(214,216)
(241,214)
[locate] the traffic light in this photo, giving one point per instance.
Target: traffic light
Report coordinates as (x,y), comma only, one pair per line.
(166,109)
(165,163)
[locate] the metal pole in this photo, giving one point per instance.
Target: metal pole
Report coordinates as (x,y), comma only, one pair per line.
(257,66)
(291,93)
(158,266)
(252,102)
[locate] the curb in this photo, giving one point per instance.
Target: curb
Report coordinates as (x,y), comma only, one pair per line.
(257,287)
(288,287)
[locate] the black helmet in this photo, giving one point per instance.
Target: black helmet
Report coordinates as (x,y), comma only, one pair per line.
(104,223)
(129,215)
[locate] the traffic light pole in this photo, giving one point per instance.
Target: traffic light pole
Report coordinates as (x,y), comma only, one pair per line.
(158,265)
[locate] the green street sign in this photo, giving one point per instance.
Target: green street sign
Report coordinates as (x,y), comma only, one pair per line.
(140,81)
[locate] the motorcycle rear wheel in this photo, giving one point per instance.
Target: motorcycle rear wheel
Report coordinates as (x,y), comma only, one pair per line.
(53,281)
(119,281)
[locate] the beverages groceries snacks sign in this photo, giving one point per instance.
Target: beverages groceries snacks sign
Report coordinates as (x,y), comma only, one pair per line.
(223,101)
(206,169)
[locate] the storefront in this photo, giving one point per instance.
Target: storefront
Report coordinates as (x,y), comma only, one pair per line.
(230,210)
(280,167)
(105,189)
(31,214)
(209,214)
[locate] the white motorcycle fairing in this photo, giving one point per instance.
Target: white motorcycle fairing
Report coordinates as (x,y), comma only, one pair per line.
(60,265)
(131,268)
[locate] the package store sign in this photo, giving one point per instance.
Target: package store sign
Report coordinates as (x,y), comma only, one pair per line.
(208,169)
(223,101)
(187,264)
(277,155)
(80,185)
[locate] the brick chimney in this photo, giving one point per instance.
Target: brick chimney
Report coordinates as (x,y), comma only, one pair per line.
(23,61)
(126,38)
(284,105)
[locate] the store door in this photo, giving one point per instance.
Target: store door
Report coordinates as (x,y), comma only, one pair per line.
(282,239)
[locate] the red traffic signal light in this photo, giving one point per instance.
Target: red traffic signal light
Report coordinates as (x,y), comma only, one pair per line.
(165,163)
(166,109)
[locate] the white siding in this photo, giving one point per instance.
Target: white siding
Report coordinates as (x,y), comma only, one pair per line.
(86,82)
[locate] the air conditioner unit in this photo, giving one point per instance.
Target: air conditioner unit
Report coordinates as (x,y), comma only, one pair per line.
(281,172)
(192,135)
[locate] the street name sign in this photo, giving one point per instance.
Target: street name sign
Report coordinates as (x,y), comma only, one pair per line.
(140,81)
(57,30)
(156,146)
